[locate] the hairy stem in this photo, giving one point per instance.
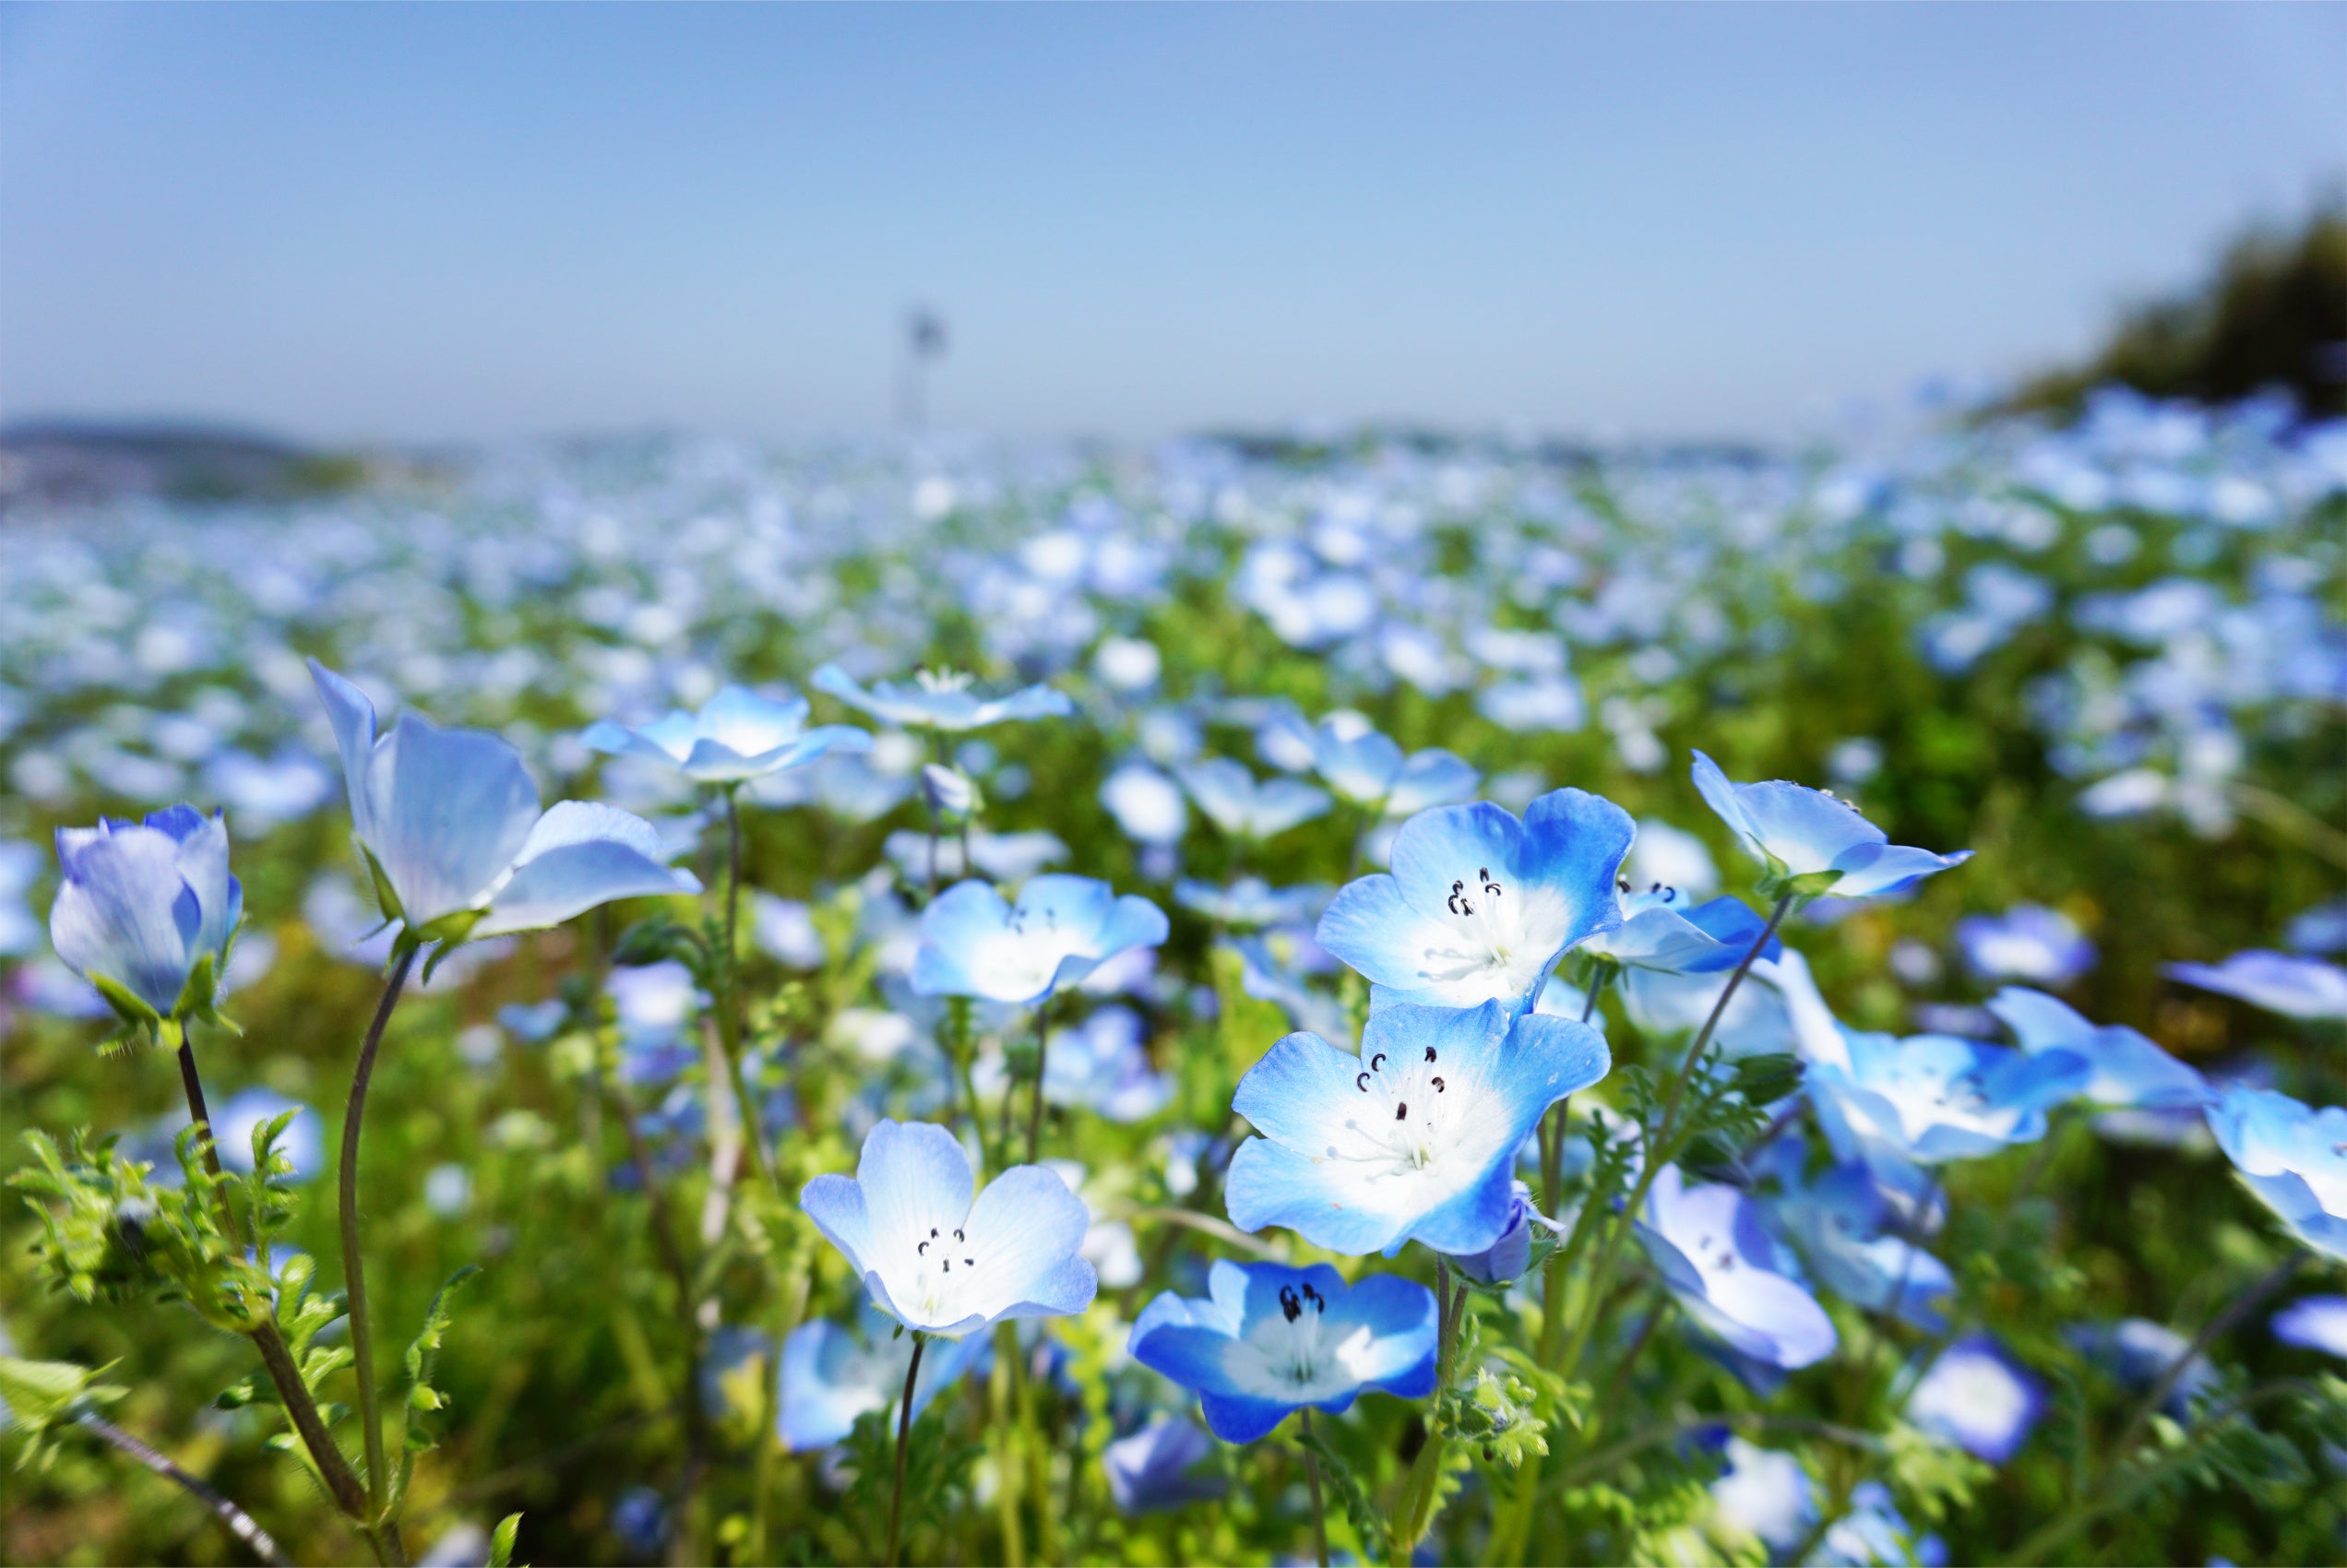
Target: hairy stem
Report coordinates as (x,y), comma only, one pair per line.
(237,1522)
(354,1261)
(904,1435)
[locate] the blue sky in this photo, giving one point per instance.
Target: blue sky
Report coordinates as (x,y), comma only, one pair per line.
(400,223)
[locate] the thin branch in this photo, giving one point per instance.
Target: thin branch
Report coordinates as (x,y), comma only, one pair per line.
(234,1519)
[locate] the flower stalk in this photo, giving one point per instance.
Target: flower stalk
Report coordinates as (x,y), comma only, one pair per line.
(353,1260)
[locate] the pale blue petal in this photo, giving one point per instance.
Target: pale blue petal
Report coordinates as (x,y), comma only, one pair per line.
(913,1176)
(450,809)
(1439,847)
(575,878)
(1192,1357)
(1030,1226)
(835,1205)
(1235,1418)
(353,715)
(1269,1183)
(1432,778)
(115,916)
(1369,927)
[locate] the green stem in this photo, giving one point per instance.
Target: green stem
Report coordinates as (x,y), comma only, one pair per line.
(1035,1107)
(2239,1308)
(729,1023)
(1414,1511)
(354,1261)
(1659,1150)
(904,1435)
(1312,1480)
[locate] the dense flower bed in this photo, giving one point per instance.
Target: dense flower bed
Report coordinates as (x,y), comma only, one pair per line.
(1235,1001)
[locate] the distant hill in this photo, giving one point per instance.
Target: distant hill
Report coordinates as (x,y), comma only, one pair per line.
(2273,314)
(65,461)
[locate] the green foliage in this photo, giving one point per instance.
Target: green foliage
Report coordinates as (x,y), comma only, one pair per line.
(1353,1498)
(41,1396)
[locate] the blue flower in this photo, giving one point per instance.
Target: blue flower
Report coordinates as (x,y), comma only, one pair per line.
(2138,1352)
(1415,1137)
(1658,932)
(1874,1534)
(1268,1340)
(1251,901)
(831,1375)
(2316,1322)
(146,909)
(1719,1264)
(2027,942)
(2279,982)
(940,700)
(1102,1066)
(974,943)
(1156,1468)
(1507,1258)
(1275,967)
(1813,843)
(2322,929)
(2125,1068)
(736,734)
(937,1261)
(2292,1156)
(448,822)
(1148,806)
(1840,1225)
(1975,1398)
(1235,803)
(1931,1098)
(1765,1494)
(1479,906)
(1365,767)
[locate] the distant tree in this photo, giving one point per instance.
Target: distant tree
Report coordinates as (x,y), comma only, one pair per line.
(2273,315)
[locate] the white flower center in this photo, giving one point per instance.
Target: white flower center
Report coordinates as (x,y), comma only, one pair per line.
(1290,1358)
(941,1275)
(1496,937)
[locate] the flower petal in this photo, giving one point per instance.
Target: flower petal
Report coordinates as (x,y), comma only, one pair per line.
(450,811)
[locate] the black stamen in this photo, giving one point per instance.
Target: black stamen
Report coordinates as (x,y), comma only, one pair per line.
(1430,1054)
(1361,1082)
(1438,1086)
(922,1251)
(1378,1061)
(1401,1111)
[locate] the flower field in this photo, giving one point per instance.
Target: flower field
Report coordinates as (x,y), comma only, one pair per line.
(1251,1000)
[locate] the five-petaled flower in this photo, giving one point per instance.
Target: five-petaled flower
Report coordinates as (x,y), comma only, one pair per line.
(449,826)
(940,700)
(737,734)
(147,910)
(934,1259)
(1479,906)
(1727,1272)
(1268,1340)
(973,943)
(2293,1157)
(1415,1137)
(1812,843)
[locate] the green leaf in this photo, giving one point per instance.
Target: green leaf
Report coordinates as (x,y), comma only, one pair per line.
(1768,1078)
(423,1356)
(501,1542)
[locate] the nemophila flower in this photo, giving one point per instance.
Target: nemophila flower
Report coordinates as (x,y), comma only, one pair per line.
(1670,857)
(1840,1226)
(1874,1534)
(1365,765)
(2279,982)
(2027,942)
(2314,1322)
(737,734)
(1416,1137)
(938,1262)
(1930,1099)
(940,699)
(974,943)
(1766,1495)
(1148,806)
(2125,1068)
(1278,967)
(2322,929)
(145,911)
(2292,1156)
(1236,803)
(1978,1398)
(2137,1353)
(1007,858)
(831,1375)
(1507,1257)
(1266,1340)
(1251,901)
(449,824)
(1479,906)
(1102,1067)
(1156,1468)
(1725,1271)
(1660,931)
(1813,844)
